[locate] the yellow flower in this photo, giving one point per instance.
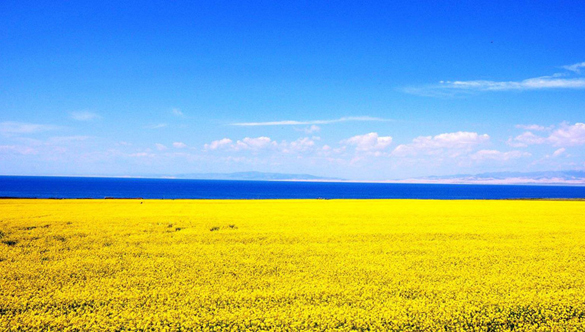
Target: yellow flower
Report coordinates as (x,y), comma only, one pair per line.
(285,265)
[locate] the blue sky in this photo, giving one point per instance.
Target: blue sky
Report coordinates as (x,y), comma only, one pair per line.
(371,91)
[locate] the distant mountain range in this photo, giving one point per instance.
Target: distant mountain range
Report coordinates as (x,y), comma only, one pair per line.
(258,176)
(546,177)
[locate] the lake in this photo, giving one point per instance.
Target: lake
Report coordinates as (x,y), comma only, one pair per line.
(87,187)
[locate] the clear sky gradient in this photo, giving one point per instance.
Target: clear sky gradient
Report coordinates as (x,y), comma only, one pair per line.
(363,91)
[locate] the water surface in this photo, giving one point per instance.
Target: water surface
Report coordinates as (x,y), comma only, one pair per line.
(83,187)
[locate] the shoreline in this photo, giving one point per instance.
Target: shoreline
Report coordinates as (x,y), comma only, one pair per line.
(287,199)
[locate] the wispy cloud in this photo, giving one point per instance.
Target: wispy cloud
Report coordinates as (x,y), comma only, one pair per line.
(156,126)
(17,149)
(525,139)
(16,128)
(545,82)
(558,152)
(300,145)
(575,67)
(179,145)
(177,112)
(84,116)
(65,139)
(555,81)
(533,127)
(311,122)
(142,155)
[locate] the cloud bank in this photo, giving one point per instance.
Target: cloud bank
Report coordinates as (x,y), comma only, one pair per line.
(566,135)
(453,147)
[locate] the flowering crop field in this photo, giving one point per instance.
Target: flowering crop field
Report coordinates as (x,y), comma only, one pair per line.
(398,265)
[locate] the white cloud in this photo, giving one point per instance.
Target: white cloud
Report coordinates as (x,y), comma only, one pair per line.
(84,116)
(498,155)
(222,143)
(568,135)
(457,142)
(255,144)
(177,112)
(575,67)
(263,144)
(160,147)
(246,144)
(558,152)
(179,145)
(312,122)
(368,142)
(14,128)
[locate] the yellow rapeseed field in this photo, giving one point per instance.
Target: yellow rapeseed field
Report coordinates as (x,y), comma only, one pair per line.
(391,265)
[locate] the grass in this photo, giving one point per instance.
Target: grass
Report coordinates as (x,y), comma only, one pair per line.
(292,265)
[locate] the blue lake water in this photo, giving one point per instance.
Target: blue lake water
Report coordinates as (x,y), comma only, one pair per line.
(76,187)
